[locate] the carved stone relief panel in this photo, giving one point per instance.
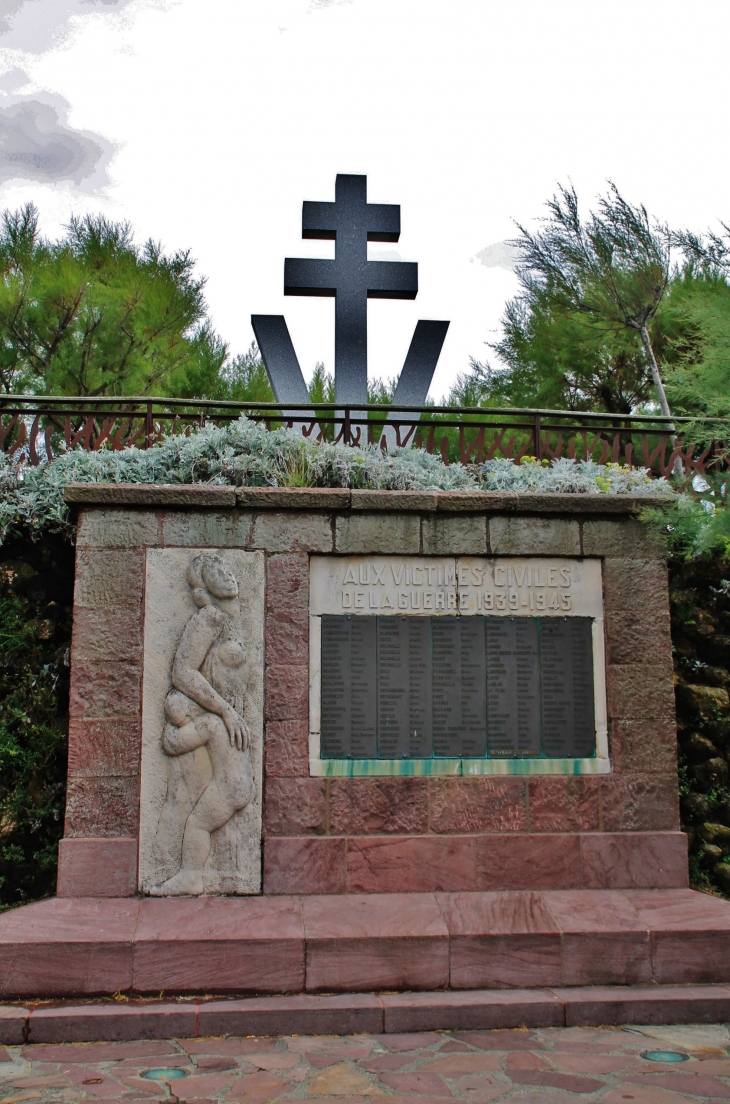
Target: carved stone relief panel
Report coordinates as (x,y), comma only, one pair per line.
(202,722)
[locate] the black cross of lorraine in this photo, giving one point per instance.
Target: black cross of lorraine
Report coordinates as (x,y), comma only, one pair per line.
(351,278)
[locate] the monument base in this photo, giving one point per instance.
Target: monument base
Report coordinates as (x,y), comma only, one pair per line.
(72,947)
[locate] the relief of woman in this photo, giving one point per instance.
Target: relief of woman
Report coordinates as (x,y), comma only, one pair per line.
(204,709)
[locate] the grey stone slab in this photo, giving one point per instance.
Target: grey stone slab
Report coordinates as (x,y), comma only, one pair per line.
(532,536)
(378,533)
(293,498)
(207,529)
(150,494)
(393,500)
(280,532)
(116,528)
(109,578)
(624,537)
(454,536)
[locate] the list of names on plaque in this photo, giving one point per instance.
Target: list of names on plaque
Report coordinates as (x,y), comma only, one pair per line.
(416,687)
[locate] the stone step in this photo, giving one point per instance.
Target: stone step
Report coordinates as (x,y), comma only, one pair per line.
(363,1013)
(72,947)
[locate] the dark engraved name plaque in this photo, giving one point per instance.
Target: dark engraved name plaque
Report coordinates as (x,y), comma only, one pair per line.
(568,712)
(349,720)
(513,687)
(457,687)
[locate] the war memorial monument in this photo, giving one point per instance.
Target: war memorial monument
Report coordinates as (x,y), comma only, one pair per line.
(350,760)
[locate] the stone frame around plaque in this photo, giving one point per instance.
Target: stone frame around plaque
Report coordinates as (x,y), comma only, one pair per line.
(417,586)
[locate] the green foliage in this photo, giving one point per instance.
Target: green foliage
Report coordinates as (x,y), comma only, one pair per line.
(94,314)
(36,585)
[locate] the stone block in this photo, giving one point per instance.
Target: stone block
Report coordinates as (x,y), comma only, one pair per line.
(104,747)
(464,805)
(454,536)
(624,537)
(418,501)
(690,935)
(109,578)
(200,495)
(207,530)
(533,536)
(292,532)
(639,636)
(604,940)
(87,1023)
(287,583)
(477,501)
(305,865)
(394,533)
(287,693)
(64,947)
(643,747)
(303,1014)
(106,635)
(286,749)
(564,804)
(116,528)
(420,864)
(97,867)
(105,690)
(219,944)
(501,940)
(378,806)
(478,1010)
(527,861)
(645,1005)
(639,691)
(634,860)
(13,1024)
(374,941)
(295,807)
(293,498)
(102,806)
(635,584)
(287,638)
(639,803)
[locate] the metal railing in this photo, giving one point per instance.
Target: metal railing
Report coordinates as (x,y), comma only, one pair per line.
(39,427)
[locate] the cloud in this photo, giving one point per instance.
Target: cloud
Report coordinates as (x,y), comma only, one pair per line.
(36,143)
(498,255)
(37,25)
(318,5)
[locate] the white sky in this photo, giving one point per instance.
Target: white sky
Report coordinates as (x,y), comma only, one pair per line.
(214,119)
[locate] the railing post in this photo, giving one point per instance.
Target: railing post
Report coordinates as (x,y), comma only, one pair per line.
(346,432)
(148,426)
(538,438)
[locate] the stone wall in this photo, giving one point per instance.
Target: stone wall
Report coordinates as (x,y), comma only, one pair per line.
(376,834)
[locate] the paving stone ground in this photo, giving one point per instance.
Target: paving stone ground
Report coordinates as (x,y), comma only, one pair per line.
(550,1066)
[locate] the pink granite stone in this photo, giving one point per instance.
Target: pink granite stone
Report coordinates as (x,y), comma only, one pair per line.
(528,861)
(67,947)
(634,584)
(303,864)
(287,637)
(644,747)
(377,806)
(287,693)
(465,805)
(564,804)
(639,803)
(286,748)
(88,1022)
(653,1004)
(219,944)
(105,690)
(295,807)
(640,691)
(469,1011)
(106,635)
(104,746)
(102,806)
(97,867)
(420,864)
(690,935)
(634,860)
(303,1014)
(287,582)
(500,940)
(383,941)
(604,940)
(627,632)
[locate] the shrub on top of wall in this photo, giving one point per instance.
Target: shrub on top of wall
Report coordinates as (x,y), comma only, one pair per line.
(245,453)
